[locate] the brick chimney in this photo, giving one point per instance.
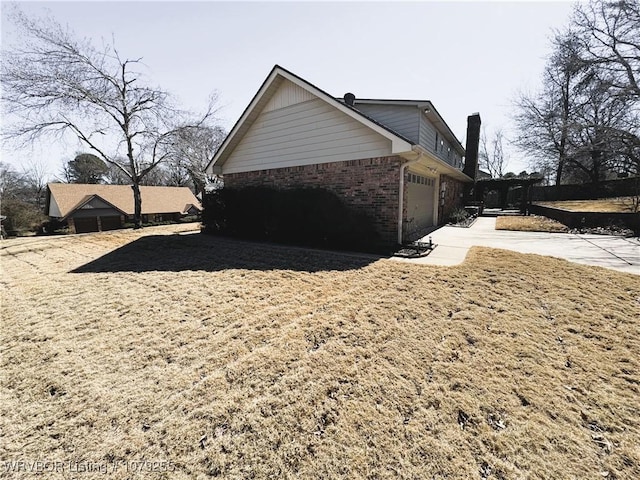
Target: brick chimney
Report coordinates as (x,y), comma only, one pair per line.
(473,142)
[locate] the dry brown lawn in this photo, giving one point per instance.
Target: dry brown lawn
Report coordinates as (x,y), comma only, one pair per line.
(619,204)
(235,360)
(532,223)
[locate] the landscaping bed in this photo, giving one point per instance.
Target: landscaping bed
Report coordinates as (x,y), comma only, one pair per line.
(531,223)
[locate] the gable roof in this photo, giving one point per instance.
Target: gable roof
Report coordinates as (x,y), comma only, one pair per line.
(88,198)
(70,196)
(268,88)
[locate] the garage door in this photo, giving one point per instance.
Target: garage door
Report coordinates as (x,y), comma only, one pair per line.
(110,223)
(86,224)
(420,204)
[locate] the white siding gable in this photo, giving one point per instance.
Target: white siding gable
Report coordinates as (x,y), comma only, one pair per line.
(305,133)
(288,94)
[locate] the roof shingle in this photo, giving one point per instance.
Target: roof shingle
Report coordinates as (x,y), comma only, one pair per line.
(154,199)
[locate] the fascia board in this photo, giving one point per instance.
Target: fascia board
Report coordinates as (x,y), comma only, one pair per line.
(243,118)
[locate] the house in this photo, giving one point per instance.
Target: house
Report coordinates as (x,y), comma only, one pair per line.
(95,208)
(396,160)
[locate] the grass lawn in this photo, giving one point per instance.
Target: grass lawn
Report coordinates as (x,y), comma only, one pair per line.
(236,360)
(532,223)
(619,204)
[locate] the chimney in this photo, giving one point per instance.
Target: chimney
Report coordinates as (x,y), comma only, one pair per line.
(473,142)
(349,99)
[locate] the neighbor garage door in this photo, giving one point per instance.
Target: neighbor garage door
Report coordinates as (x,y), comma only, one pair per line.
(110,223)
(86,224)
(420,203)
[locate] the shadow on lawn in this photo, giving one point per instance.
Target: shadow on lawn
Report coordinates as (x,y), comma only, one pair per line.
(175,253)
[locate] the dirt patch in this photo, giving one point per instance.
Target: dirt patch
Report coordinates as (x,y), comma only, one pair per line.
(254,365)
(531,223)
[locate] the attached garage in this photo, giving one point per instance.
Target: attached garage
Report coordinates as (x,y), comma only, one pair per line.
(421,204)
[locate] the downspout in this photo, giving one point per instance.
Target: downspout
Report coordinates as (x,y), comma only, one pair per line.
(403,167)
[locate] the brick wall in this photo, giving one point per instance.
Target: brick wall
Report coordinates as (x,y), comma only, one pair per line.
(589,219)
(452,197)
(367,185)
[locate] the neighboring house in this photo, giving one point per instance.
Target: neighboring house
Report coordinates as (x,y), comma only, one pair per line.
(397,160)
(94,208)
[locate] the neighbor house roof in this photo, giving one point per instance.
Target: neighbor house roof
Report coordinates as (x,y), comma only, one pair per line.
(67,197)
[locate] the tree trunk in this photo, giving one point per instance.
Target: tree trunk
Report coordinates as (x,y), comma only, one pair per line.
(559,171)
(137,205)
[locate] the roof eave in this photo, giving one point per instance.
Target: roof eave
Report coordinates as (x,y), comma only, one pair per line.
(441,166)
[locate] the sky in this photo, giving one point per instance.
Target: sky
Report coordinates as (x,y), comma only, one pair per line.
(465,57)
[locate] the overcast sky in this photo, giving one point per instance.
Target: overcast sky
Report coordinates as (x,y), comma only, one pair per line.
(463,56)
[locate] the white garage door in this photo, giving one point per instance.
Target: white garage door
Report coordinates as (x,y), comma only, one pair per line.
(420,204)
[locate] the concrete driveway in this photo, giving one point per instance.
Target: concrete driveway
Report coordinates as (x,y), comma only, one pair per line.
(607,251)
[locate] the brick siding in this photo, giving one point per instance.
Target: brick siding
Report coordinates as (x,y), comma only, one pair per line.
(368,185)
(452,198)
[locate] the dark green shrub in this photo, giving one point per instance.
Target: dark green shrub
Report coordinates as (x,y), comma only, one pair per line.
(303,216)
(459,215)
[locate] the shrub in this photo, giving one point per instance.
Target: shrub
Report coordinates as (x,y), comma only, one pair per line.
(459,215)
(303,216)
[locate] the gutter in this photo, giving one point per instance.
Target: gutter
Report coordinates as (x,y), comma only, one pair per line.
(403,168)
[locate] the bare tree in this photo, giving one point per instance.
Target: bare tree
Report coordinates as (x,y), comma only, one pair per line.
(36,176)
(544,119)
(22,195)
(55,85)
(191,151)
(491,156)
(609,32)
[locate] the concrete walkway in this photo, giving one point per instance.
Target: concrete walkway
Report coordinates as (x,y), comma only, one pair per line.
(607,251)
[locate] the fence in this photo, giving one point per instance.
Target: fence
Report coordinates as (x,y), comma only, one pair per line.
(623,187)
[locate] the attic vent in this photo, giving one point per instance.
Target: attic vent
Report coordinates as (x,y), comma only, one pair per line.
(349,99)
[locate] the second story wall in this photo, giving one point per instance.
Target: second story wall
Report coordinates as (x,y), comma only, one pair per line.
(435,142)
(400,118)
(412,123)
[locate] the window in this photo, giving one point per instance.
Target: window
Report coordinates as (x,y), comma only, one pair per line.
(436,146)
